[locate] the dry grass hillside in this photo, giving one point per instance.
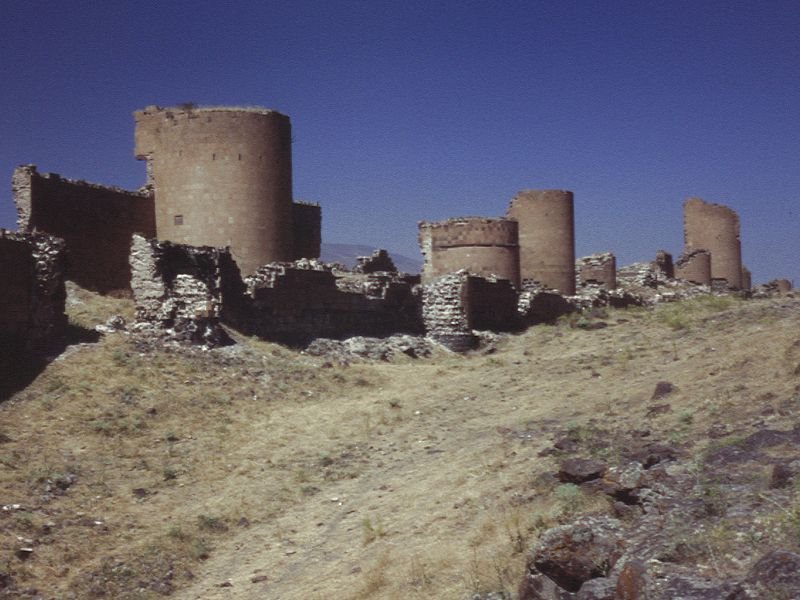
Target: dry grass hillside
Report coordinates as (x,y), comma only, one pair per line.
(254,471)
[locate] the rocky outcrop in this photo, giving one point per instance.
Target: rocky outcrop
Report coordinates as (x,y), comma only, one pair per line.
(679,529)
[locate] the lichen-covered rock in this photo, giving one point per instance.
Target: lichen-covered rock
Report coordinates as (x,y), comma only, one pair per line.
(572,554)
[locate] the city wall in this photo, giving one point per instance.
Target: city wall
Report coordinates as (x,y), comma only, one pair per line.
(306,230)
(483,246)
(32,318)
(694,266)
(546,237)
(715,228)
(95,221)
(221,177)
(597,269)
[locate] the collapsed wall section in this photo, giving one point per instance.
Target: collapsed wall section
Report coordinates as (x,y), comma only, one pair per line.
(483,246)
(222,177)
(178,290)
(715,228)
(95,221)
(32,318)
(306,230)
(546,237)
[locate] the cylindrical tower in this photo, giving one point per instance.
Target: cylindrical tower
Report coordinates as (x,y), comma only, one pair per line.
(546,237)
(480,245)
(694,266)
(221,177)
(715,228)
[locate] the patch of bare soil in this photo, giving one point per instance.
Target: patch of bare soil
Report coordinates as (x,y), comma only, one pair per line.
(256,472)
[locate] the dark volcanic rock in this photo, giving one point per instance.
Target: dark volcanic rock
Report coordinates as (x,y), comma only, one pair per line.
(570,555)
(578,470)
(775,575)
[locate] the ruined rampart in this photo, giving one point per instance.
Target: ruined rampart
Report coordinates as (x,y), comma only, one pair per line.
(221,177)
(597,269)
(715,228)
(32,318)
(546,237)
(483,246)
(306,230)
(95,221)
(694,266)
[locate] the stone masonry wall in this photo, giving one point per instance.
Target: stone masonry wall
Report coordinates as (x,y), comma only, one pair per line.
(599,269)
(178,290)
(307,230)
(715,228)
(445,311)
(378,261)
(482,246)
(95,221)
(694,266)
(295,303)
(32,318)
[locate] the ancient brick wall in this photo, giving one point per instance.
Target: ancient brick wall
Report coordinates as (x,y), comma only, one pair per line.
(482,246)
(455,304)
(295,304)
(694,266)
(306,230)
(715,228)
(32,318)
(222,177)
(95,221)
(178,290)
(546,237)
(597,269)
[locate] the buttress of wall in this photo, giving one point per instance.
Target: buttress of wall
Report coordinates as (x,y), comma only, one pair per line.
(96,222)
(221,177)
(715,228)
(479,245)
(546,237)
(306,230)
(16,265)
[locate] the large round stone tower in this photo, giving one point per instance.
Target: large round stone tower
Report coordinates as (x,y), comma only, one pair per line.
(483,246)
(715,228)
(546,237)
(221,177)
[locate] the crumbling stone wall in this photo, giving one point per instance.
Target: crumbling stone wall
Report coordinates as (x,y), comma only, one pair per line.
(95,221)
(178,290)
(457,303)
(694,266)
(663,263)
(546,237)
(306,230)
(715,228)
(483,246)
(377,262)
(295,303)
(597,269)
(32,319)
(222,177)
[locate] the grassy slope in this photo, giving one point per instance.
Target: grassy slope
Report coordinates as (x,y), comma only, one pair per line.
(412,479)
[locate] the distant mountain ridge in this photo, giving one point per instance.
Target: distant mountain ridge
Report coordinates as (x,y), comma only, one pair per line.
(347,253)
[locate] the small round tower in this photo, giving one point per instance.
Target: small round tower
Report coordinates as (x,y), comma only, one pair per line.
(482,246)
(715,228)
(546,237)
(694,266)
(221,177)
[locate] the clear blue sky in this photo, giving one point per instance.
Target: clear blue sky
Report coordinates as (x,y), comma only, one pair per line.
(404,111)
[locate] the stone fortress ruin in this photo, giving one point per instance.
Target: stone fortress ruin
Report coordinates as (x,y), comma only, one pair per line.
(215,237)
